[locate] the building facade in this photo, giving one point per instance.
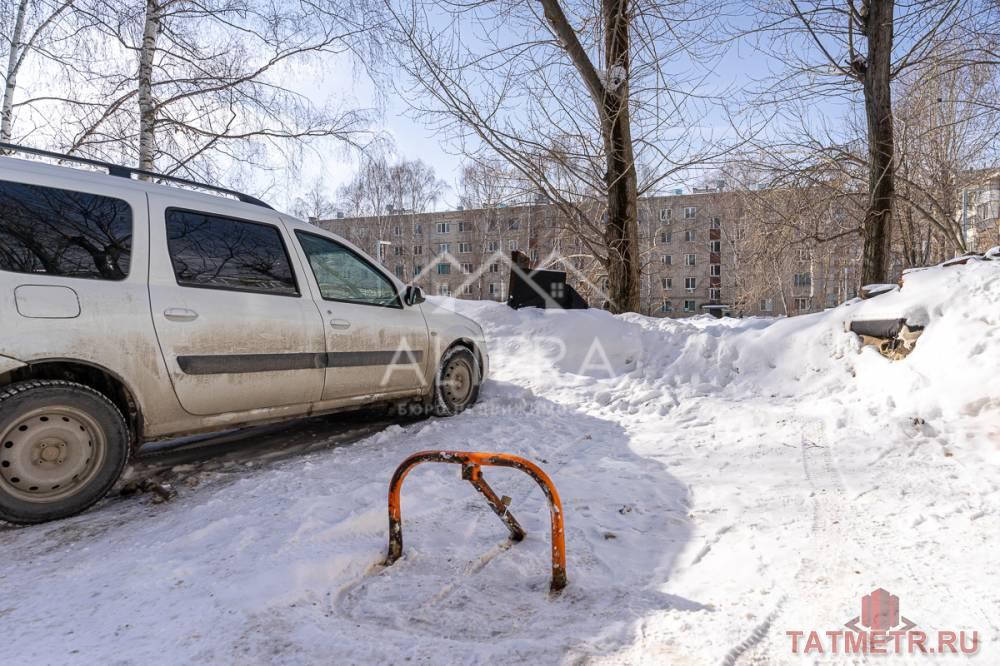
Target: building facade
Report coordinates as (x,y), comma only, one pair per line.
(701,253)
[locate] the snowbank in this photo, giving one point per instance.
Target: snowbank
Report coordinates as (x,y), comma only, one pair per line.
(724,481)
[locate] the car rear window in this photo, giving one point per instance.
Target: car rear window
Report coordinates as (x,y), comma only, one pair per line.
(44,230)
(215,252)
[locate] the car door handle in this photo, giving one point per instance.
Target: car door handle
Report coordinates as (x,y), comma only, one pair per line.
(340,323)
(180,314)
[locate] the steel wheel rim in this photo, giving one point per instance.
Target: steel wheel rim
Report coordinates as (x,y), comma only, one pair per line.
(49,453)
(457,382)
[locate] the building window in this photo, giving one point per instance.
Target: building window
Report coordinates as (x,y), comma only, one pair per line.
(557,290)
(418,249)
(801,304)
(496,290)
(417,269)
(666,237)
(715,246)
(492,246)
(534,254)
(442,248)
(467,290)
(397,230)
(465,248)
(716,223)
(443,227)
(803,254)
(495,267)
(513,224)
(665,214)
(739,233)
(667,260)
(690,306)
(802,280)
(418,228)
(690,212)
(715,294)
(666,307)
(466,268)
(668,283)
(512,245)
(766,305)
(397,250)
(464,226)
(444,269)
(400,269)
(690,260)
(690,283)
(715,270)
(689,235)
(444,290)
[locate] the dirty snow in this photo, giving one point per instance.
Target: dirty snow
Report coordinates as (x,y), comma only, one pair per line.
(724,482)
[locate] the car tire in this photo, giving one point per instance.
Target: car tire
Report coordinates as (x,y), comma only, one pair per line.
(62,447)
(456,384)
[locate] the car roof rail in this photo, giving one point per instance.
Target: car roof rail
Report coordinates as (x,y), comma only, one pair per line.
(127,172)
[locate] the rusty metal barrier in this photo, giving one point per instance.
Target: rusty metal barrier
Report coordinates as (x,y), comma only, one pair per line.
(472,472)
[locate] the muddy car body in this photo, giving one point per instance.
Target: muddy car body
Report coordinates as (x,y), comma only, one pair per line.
(136,311)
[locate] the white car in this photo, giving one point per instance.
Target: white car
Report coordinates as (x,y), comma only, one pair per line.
(134,311)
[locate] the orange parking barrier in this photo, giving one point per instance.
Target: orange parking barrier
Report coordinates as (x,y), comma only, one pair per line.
(472,472)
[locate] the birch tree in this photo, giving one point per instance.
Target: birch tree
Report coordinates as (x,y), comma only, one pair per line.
(196,87)
(45,29)
(389,194)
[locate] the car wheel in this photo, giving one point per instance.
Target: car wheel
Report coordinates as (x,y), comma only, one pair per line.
(456,386)
(62,447)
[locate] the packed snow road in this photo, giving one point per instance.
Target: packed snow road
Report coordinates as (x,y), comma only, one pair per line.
(730,487)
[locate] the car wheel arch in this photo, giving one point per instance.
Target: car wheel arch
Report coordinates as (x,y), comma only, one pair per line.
(92,375)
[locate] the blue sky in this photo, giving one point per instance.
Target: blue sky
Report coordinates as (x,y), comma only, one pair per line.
(738,66)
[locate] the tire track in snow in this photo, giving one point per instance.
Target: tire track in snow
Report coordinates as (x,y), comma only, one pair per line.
(830,517)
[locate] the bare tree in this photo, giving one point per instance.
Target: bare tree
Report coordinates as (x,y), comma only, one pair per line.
(390,194)
(850,50)
(947,130)
(315,203)
(572,95)
(195,87)
(47,29)
(490,182)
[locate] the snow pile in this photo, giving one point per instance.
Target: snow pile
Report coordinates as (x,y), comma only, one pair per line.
(951,373)
(723,481)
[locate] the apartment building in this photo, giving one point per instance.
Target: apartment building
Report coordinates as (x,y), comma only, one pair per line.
(694,250)
(979,212)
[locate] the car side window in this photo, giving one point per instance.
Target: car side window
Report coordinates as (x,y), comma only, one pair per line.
(215,252)
(50,231)
(342,275)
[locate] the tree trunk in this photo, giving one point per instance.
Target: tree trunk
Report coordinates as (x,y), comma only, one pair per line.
(621,232)
(147,105)
(877,229)
(13,64)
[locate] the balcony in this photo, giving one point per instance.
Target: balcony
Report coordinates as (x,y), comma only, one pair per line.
(714,258)
(714,234)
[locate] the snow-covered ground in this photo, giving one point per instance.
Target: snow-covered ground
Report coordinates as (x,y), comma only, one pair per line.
(724,482)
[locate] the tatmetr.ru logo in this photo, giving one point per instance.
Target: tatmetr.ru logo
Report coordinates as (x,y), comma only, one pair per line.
(881,629)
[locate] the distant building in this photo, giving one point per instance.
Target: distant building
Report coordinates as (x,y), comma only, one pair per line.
(979,212)
(696,250)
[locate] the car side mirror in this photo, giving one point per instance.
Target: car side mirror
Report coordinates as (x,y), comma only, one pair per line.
(413,295)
